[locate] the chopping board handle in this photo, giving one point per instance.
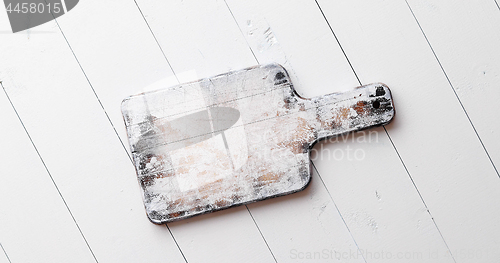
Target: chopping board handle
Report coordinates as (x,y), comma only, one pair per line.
(362,108)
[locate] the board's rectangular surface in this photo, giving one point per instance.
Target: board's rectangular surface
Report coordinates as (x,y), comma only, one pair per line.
(236,138)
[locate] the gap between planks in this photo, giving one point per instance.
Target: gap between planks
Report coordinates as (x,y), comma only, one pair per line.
(452,87)
(338,211)
(5,252)
(116,132)
(388,136)
(173,71)
(112,125)
(50,175)
(110,122)
(317,172)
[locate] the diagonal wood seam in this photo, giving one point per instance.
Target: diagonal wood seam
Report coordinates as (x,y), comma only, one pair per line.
(388,136)
(352,237)
(453,87)
(49,174)
(1,246)
(465,112)
(109,119)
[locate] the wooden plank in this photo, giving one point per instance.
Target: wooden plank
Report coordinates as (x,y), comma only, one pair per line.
(140,64)
(279,31)
(439,147)
(306,226)
(122,59)
(381,206)
(224,236)
(34,218)
(196,54)
(4,258)
(466,38)
(358,179)
(199,37)
(80,148)
(214,35)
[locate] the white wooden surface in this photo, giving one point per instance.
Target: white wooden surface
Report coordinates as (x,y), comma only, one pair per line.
(426,190)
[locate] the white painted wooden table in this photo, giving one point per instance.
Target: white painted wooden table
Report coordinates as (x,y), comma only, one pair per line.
(422,189)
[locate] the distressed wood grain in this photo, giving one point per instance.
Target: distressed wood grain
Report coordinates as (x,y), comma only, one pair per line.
(236,138)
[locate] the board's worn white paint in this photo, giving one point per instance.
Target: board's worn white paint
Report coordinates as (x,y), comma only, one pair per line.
(80,149)
(431,132)
(466,39)
(33,216)
(355,180)
(211,144)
